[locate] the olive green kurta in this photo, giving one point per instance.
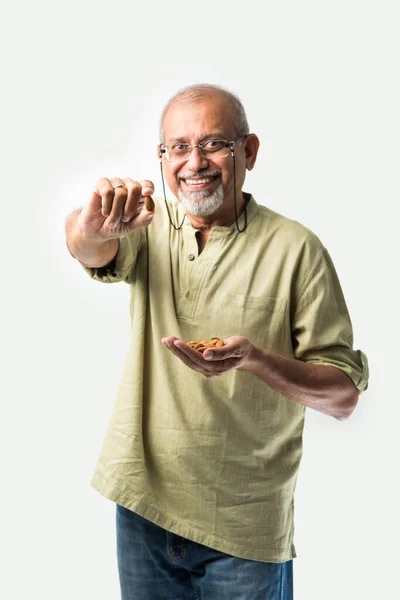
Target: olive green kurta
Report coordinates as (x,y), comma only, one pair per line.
(216,460)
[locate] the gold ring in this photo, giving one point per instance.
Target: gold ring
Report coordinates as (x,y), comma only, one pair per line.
(117,186)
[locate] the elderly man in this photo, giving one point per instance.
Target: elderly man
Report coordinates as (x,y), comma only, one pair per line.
(203,448)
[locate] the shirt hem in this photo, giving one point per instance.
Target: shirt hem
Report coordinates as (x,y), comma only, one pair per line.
(189,532)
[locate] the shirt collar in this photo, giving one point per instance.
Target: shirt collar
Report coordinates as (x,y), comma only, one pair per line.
(252,208)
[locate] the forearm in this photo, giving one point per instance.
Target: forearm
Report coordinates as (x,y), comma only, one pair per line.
(87,249)
(321,387)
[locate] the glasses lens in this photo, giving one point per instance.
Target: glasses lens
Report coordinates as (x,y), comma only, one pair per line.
(215,149)
(177,152)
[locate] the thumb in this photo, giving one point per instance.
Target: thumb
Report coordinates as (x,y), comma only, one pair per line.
(231,349)
(143,219)
(147,187)
(216,354)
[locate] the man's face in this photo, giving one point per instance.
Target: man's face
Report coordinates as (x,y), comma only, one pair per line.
(201,183)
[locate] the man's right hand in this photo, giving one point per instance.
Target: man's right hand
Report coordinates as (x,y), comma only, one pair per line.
(115,208)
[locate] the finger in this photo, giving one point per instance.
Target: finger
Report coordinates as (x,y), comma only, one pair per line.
(136,201)
(183,357)
(120,194)
(133,204)
(187,360)
(214,369)
(193,355)
(147,187)
(147,191)
(117,182)
(230,350)
(103,188)
(197,358)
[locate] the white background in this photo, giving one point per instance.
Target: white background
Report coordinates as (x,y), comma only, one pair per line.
(83,85)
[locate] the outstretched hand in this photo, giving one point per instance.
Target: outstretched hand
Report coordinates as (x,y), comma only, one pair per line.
(236,354)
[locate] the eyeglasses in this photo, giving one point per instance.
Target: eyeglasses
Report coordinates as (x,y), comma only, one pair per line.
(210,149)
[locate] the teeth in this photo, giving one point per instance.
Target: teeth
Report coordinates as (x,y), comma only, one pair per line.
(194,181)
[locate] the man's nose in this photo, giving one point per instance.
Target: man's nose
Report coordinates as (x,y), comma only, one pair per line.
(196,160)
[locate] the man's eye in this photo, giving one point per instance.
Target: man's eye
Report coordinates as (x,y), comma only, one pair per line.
(213,145)
(180,148)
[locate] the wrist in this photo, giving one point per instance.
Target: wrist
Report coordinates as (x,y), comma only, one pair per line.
(91,251)
(252,359)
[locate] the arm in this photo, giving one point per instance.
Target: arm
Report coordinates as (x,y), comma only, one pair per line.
(321,387)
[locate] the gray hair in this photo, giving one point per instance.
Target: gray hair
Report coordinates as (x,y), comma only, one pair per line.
(192,93)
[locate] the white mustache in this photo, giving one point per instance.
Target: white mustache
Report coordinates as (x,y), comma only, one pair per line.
(201,174)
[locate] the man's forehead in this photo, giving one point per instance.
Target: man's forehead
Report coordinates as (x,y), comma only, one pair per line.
(198,118)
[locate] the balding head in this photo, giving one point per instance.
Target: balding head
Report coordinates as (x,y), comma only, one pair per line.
(203,92)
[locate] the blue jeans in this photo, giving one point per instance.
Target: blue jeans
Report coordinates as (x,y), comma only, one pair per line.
(155,564)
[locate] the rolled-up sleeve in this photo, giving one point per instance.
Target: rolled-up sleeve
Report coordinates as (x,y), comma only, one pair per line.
(123,264)
(321,326)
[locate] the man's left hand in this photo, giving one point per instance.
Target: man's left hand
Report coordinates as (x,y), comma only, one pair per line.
(236,354)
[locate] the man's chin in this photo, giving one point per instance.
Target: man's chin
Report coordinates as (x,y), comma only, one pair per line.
(201,203)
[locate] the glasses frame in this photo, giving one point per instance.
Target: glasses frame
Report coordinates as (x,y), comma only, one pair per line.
(231,145)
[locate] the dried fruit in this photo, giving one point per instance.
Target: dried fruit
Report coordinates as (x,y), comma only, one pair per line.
(215,342)
(149,203)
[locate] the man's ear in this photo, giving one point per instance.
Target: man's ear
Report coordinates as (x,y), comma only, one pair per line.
(252,145)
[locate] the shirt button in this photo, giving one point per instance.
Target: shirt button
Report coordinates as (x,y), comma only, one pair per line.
(191,257)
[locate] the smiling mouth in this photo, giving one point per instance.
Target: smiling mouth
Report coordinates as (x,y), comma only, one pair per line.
(198,181)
